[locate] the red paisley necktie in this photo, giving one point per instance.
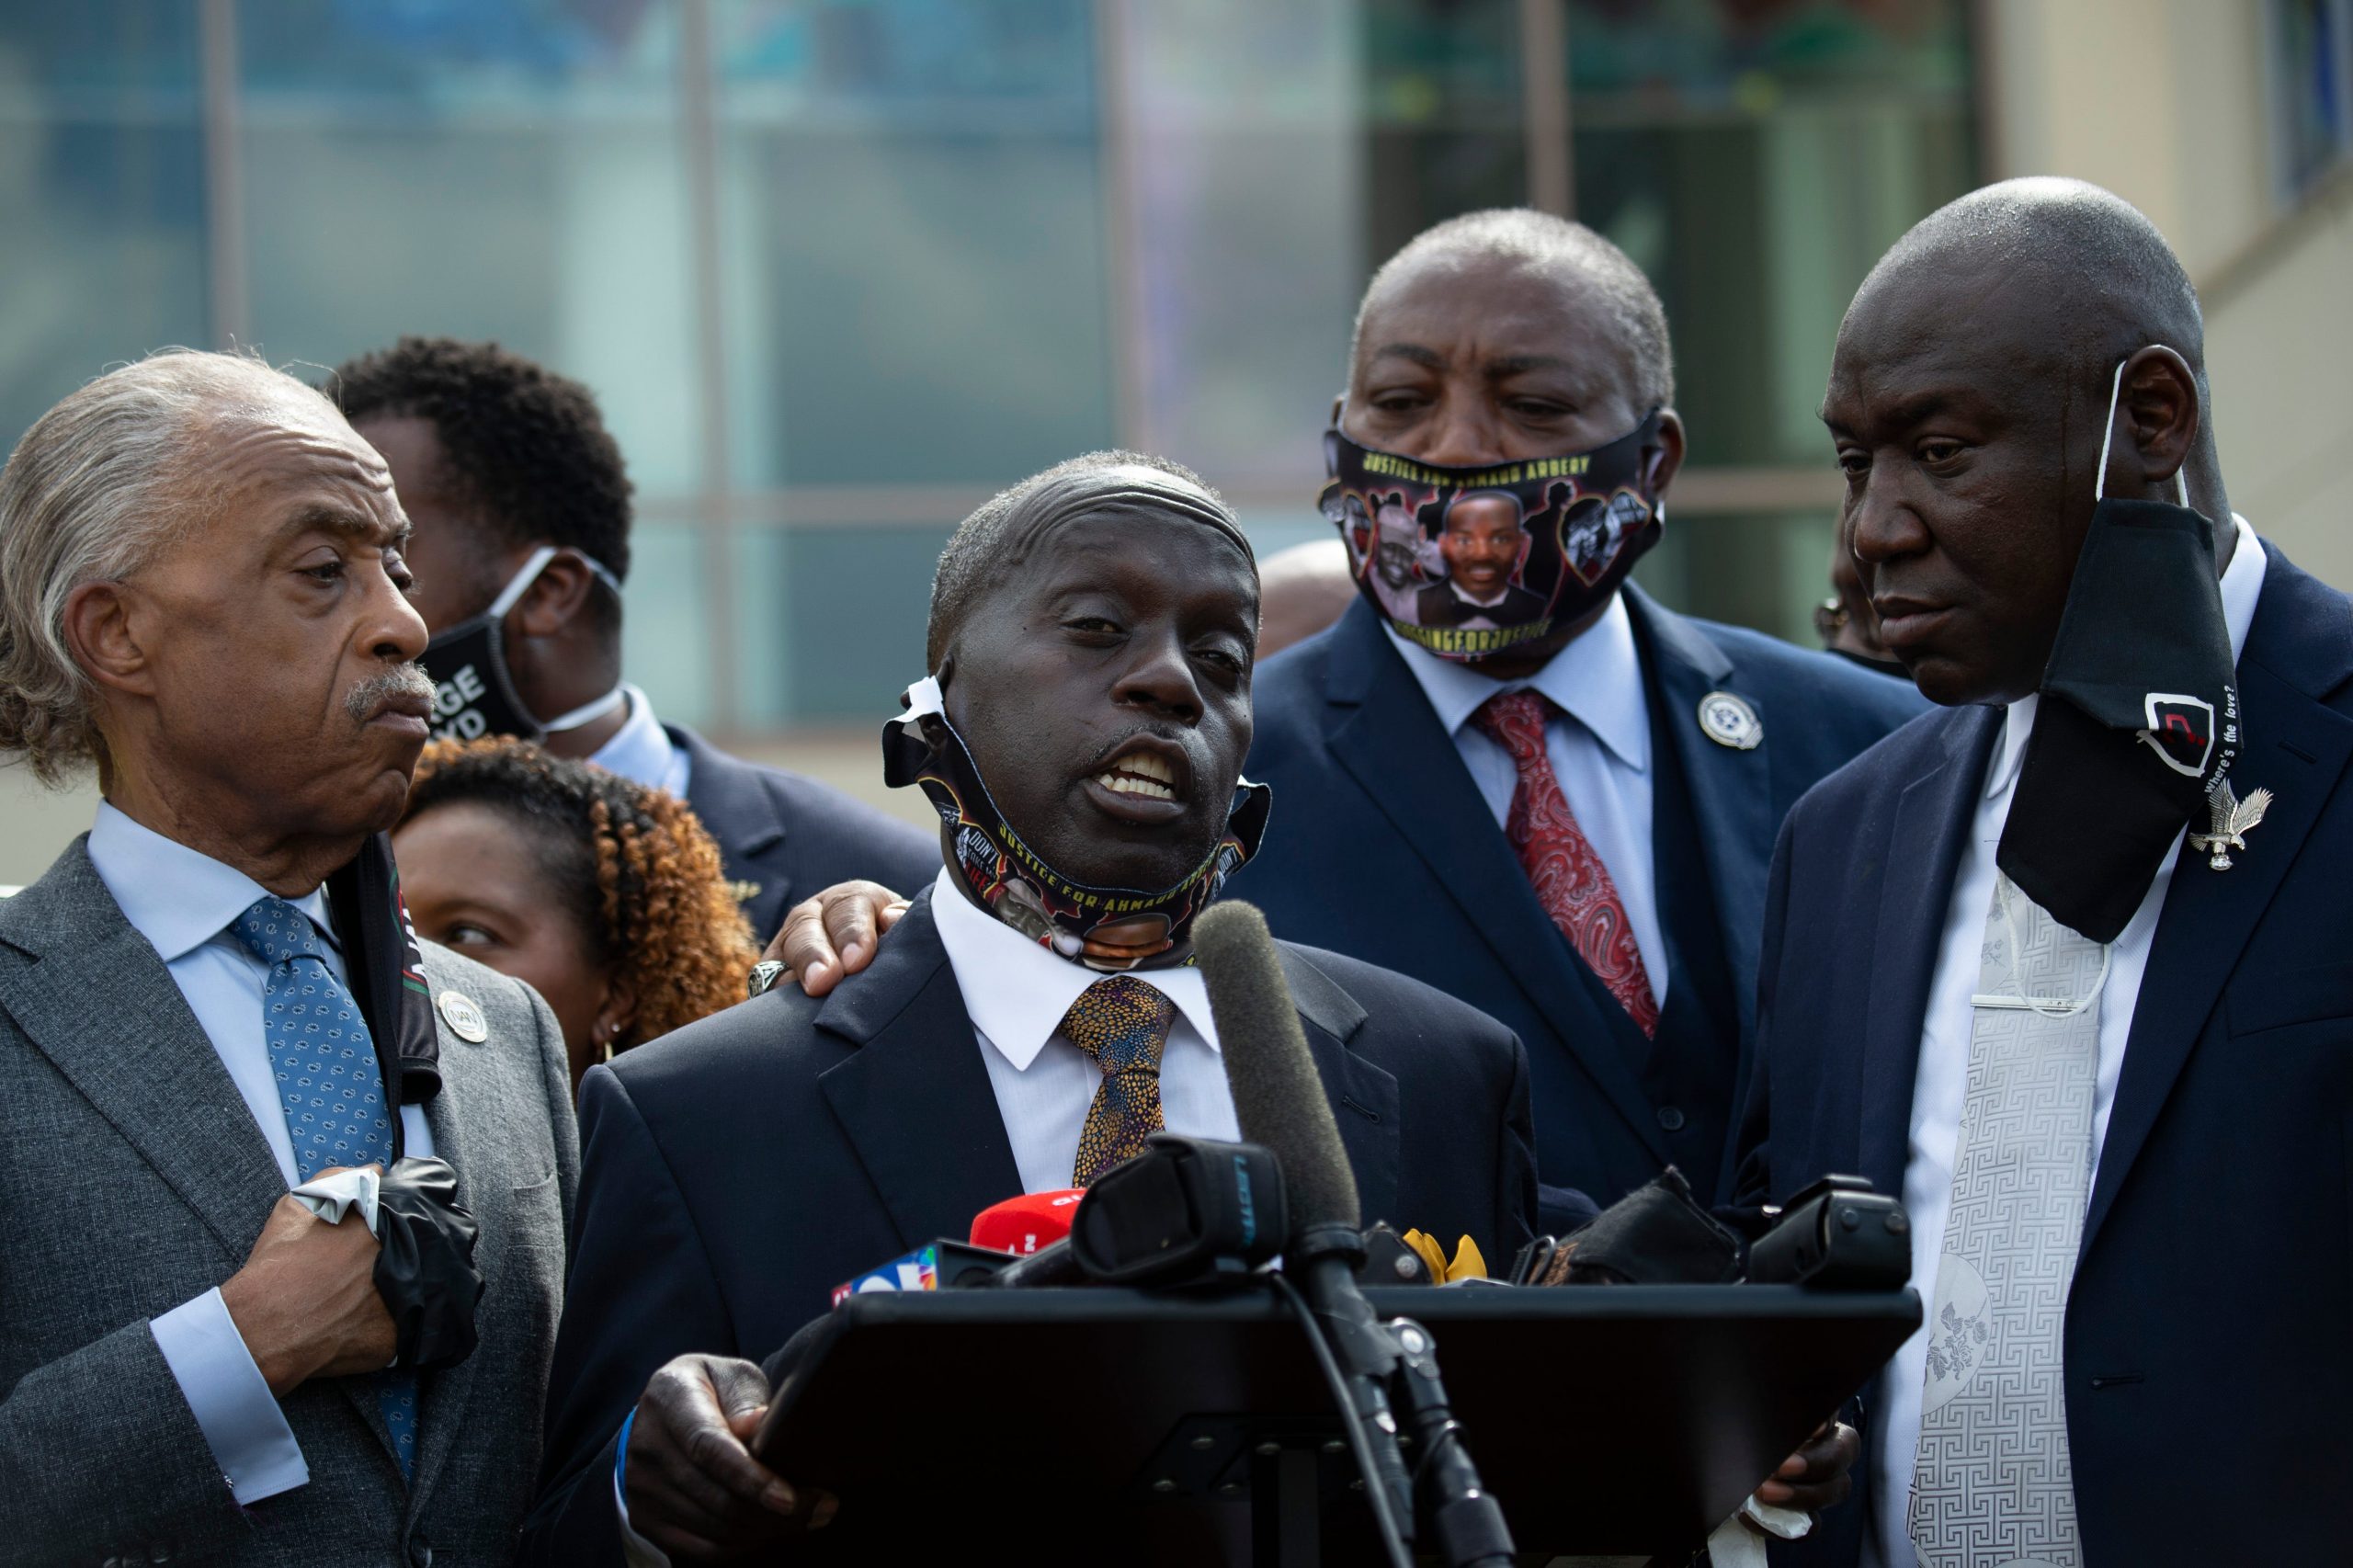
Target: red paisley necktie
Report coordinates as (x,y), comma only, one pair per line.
(1570,882)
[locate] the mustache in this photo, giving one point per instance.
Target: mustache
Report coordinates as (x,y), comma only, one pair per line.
(369,699)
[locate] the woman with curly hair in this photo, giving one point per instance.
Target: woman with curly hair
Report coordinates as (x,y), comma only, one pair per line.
(604,896)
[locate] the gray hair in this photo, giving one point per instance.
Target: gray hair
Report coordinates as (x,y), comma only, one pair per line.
(1636,318)
(96,489)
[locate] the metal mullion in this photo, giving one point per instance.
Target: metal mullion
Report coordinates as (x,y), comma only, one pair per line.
(1544,105)
(715,513)
(224,183)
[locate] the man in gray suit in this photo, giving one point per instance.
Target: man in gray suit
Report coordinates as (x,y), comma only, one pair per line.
(202,595)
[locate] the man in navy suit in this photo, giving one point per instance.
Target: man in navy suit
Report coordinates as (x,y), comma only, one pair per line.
(1091,648)
(1677,744)
(2192,1242)
(520,502)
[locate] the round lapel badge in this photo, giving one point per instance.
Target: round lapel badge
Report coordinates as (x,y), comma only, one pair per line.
(1729,721)
(464,1018)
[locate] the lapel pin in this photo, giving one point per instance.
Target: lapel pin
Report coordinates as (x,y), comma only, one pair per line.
(744,893)
(464,1018)
(1729,721)
(2234,820)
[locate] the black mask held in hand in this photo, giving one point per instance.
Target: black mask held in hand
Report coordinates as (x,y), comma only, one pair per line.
(2139,718)
(424,1265)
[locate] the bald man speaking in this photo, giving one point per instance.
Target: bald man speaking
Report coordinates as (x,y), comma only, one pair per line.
(2065,964)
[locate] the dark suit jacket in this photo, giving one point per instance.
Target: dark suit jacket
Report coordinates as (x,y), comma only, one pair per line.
(2214,1284)
(1382,847)
(132,1179)
(733,1173)
(790,836)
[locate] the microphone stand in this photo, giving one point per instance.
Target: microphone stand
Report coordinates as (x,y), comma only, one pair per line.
(1464,1517)
(1323,1259)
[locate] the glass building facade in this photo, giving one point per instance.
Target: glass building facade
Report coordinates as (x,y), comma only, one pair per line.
(839,269)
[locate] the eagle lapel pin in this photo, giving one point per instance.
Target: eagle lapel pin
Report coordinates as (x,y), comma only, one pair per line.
(2234,820)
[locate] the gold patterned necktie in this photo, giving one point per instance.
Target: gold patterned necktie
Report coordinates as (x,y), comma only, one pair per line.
(1122,1023)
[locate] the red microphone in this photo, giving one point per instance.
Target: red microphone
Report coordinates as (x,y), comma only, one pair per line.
(1025,1224)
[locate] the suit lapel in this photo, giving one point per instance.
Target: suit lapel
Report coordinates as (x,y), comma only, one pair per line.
(92,997)
(1363,1097)
(734,804)
(1732,794)
(915,1101)
(1922,856)
(442,1395)
(2298,748)
(1383,731)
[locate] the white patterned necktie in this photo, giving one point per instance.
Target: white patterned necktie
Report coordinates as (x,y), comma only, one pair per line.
(330,1084)
(1992,1486)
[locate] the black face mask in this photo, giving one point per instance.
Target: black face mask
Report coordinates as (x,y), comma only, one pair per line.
(1006,877)
(386,969)
(474,694)
(2139,719)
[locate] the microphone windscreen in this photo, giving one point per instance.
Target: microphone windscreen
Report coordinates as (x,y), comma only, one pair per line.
(1026,1223)
(1278,1097)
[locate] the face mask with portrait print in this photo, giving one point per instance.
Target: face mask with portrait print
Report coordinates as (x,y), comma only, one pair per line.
(474,694)
(1471,562)
(2139,720)
(1006,877)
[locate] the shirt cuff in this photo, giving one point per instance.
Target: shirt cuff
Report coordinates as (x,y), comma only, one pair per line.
(239,1416)
(636,1550)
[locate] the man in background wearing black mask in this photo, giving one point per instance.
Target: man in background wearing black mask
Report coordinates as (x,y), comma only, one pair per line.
(1600,891)
(521,508)
(2065,965)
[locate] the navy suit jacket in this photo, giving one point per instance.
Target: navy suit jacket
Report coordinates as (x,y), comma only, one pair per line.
(733,1173)
(1382,847)
(789,837)
(2208,1361)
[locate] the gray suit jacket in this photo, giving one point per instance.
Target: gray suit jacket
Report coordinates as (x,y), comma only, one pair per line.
(133,1178)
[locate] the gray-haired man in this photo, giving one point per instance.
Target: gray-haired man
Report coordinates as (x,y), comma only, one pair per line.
(201,595)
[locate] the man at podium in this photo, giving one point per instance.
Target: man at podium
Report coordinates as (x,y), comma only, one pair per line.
(1034,1016)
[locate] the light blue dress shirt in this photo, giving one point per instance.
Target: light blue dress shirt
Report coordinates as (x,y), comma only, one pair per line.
(642,749)
(1598,744)
(182,901)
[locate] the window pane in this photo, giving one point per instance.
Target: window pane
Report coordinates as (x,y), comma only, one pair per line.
(1762,569)
(506,169)
(1755,169)
(831,618)
(101,194)
(914,240)
(664,646)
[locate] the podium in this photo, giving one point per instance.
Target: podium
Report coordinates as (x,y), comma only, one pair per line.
(1097,1425)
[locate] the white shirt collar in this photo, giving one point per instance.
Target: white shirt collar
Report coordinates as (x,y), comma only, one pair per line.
(641,748)
(2241,586)
(177,897)
(1017,993)
(1597,680)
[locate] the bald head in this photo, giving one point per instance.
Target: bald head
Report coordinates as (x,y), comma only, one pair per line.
(1970,402)
(2082,276)
(1469,250)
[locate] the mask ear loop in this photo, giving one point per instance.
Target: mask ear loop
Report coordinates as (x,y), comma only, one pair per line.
(521,582)
(2108,435)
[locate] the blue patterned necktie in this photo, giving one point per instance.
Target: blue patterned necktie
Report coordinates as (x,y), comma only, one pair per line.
(329,1082)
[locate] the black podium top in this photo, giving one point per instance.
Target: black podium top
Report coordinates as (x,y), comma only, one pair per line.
(1119,1426)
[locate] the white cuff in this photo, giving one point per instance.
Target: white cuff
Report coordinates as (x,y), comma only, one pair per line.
(239,1416)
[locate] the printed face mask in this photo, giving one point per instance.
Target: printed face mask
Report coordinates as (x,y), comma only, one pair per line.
(473,694)
(1006,877)
(1470,562)
(2139,718)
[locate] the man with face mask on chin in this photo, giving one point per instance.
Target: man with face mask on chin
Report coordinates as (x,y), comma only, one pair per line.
(1032,1018)
(2065,964)
(521,507)
(1562,817)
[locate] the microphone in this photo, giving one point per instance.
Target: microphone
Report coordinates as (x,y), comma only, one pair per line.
(1279,1102)
(1025,1224)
